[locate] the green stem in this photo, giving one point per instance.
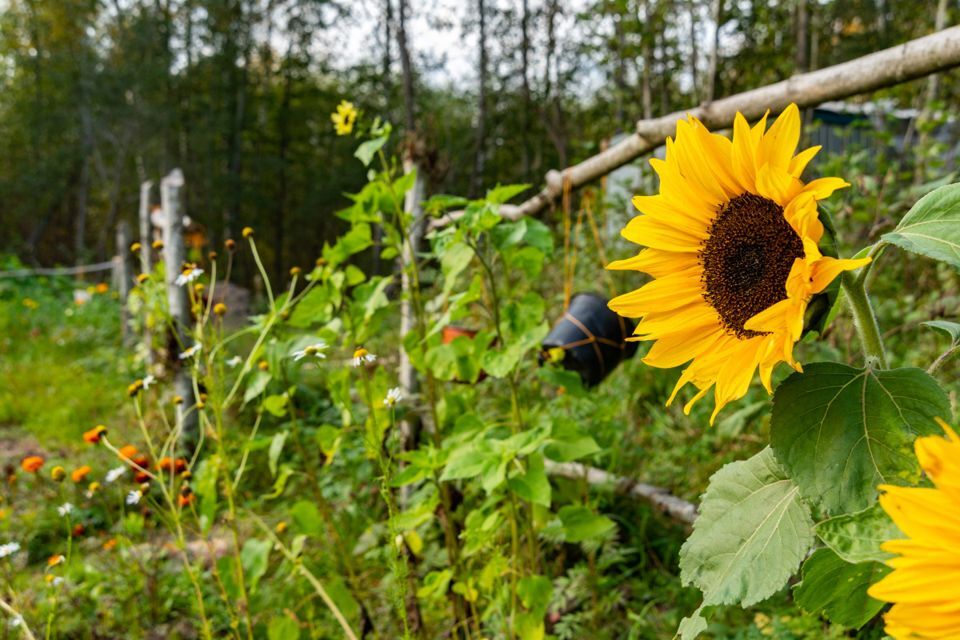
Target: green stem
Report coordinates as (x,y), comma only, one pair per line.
(865,319)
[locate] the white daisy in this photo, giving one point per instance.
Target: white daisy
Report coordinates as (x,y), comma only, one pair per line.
(114,474)
(192,351)
(65,509)
(188,275)
(9,549)
(393,397)
(315,350)
(361,357)
(16,621)
(134,497)
(57,581)
(148,380)
(234,362)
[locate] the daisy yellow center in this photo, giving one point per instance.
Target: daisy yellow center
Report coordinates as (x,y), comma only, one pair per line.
(746,258)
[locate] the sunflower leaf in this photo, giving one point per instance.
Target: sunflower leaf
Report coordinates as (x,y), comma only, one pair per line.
(841,431)
(856,537)
(932,226)
(838,589)
(751,535)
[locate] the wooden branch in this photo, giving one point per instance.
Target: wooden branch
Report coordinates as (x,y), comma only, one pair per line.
(677,508)
(909,61)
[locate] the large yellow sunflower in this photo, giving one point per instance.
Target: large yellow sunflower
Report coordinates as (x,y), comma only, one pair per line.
(732,243)
(925,582)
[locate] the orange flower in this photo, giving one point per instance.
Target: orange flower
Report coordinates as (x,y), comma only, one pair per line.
(78,530)
(110,544)
(94,435)
(128,451)
(165,464)
(141,477)
(102,287)
(141,461)
(185,500)
(54,560)
(80,474)
(32,464)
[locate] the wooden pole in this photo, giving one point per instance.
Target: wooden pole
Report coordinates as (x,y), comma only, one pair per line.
(146,260)
(174,255)
(124,277)
(911,60)
(146,238)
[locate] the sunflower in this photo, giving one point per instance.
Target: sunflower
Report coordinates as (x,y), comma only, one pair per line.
(923,584)
(344,117)
(732,244)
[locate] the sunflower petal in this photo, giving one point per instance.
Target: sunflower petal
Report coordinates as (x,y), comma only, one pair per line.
(823,188)
(801,160)
(653,232)
(781,140)
(655,262)
(826,269)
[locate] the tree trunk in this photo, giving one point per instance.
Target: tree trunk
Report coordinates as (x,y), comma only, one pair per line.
(713,70)
(526,119)
(801,58)
(409,98)
(174,254)
(646,55)
(283,143)
(479,157)
(694,51)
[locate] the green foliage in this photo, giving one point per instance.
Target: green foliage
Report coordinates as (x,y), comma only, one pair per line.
(856,537)
(932,226)
(752,532)
(838,590)
(841,431)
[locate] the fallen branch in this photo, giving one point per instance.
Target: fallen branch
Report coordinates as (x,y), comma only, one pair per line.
(675,507)
(908,61)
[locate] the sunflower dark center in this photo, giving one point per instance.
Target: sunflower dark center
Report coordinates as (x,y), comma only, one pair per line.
(746,259)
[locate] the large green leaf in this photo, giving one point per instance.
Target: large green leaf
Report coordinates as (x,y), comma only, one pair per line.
(856,537)
(932,227)
(838,589)
(752,533)
(952,329)
(840,431)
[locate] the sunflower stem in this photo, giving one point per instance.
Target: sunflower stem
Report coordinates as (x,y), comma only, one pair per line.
(865,320)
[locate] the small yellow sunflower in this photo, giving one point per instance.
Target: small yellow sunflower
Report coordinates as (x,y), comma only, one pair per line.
(344,118)
(732,243)
(925,582)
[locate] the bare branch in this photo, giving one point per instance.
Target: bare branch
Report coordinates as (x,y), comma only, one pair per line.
(677,508)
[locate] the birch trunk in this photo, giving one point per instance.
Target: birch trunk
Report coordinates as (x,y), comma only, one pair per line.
(174,254)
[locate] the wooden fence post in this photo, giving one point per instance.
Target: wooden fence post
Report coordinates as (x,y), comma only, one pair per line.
(123,274)
(146,259)
(174,254)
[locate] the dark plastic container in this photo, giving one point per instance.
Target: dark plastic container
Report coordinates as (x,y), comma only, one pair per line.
(593,336)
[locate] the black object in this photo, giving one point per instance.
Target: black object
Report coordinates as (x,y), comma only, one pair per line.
(593,336)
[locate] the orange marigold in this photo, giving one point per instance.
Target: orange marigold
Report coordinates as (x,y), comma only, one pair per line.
(128,451)
(32,464)
(80,474)
(94,435)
